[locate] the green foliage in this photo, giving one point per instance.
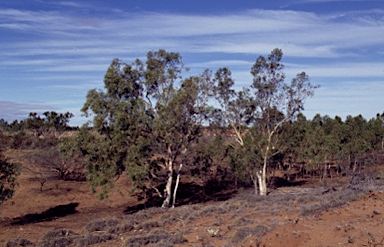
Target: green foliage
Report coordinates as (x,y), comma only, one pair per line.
(8,174)
(258,114)
(51,121)
(148,121)
(145,119)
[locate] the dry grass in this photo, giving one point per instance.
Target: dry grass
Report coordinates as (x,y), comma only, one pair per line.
(167,227)
(155,239)
(19,242)
(101,225)
(243,233)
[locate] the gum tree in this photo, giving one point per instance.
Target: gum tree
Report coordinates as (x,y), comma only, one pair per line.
(261,110)
(275,103)
(146,119)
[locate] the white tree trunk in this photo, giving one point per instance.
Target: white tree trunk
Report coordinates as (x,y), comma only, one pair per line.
(168,186)
(262,174)
(176,186)
(262,183)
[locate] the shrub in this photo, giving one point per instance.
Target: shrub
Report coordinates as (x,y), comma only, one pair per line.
(90,239)
(362,182)
(212,210)
(242,221)
(160,239)
(101,225)
(59,242)
(8,174)
(145,214)
(48,163)
(148,225)
(243,233)
(58,238)
(18,242)
(121,228)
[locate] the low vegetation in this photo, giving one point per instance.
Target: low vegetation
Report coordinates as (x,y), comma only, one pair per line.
(157,227)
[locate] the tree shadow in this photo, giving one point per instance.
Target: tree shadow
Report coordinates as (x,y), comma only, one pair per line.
(48,215)
(213,190)
(191,193)
(149,203)
(277,182)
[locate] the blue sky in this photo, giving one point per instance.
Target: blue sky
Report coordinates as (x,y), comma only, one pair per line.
(53,52)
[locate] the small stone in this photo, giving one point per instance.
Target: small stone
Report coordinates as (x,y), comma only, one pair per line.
(376,212)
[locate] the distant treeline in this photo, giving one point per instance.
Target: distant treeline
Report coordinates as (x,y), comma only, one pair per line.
(50,120)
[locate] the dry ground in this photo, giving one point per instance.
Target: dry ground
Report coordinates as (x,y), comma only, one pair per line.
(66,214)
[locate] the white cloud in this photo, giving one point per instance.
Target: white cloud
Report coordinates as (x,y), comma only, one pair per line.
(345,69)
(73,49)
(303,33)
(71,4)
(12,110)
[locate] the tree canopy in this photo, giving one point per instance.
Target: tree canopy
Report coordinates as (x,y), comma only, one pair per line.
(149,123)
(147,118)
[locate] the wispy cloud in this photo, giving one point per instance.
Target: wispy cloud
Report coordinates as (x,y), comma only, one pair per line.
(70,47)
(302,33)
(12,110)
(345,70)
(71,4)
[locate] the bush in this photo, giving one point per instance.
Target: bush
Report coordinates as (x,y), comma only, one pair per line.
(101,225)
(49,164)
(242,221)
(90,239)
(57,242)
(57,238)
(362,182)
(212,210)
(148,225)
(243,233)
(160,239)
(19,242)
(8,174)
(121,228)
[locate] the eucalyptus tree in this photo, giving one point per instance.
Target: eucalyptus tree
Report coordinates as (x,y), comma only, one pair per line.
(147,117)
(272,103)
(262,109)
(234,105)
